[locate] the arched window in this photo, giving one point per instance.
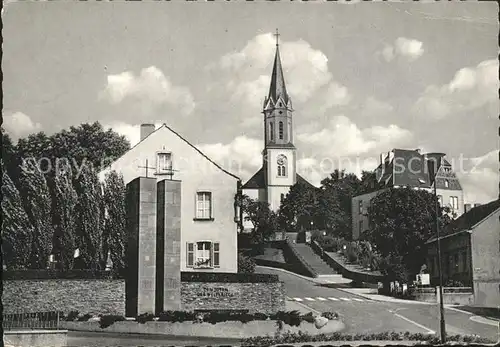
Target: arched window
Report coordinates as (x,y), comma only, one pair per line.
(282,162)
(280,129)
(271,131)
(281,170)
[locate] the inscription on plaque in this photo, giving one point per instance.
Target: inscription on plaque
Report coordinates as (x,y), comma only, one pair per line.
(215,292)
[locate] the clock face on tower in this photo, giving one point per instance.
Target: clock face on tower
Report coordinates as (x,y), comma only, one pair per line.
(281,159)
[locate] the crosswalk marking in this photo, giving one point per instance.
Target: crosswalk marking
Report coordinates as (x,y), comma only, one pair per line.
(320,298)
(357,299)
(334,299)
(345,299)
(309,299)
(298,299)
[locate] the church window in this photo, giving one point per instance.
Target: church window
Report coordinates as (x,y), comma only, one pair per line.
(203,205)
(280,129)
(164,162)
(281,161)
(271,131)
(446,183)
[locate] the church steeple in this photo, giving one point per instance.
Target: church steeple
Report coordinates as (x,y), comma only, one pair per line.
(277,88)
(278,130)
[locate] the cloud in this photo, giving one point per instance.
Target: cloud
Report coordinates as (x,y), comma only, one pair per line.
(242,156)
(306,71)
(19,124)
(343,138)
(410,49)
(479,177)
(151,88)
(470,88)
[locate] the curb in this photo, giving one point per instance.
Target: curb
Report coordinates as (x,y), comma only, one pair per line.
(312,280)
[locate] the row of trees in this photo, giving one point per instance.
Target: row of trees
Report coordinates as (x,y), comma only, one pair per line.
(53,202)
(306,207)
(401,219)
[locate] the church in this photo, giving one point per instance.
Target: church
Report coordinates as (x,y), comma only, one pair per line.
(279,167)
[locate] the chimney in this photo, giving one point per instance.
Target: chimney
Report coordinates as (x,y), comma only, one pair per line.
(146,130)
(467,208)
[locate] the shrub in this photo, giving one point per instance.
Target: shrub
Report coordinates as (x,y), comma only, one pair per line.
(176,316)
(72,315)
(228,277)
(108,320)
(85,317)
(454,283)
(245,265)
(330,315)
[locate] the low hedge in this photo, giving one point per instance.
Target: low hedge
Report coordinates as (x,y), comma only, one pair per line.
(57,274)
(386,336)
(292,318)
(228,277)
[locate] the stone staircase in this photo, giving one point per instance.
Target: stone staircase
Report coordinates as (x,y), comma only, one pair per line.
(313,260)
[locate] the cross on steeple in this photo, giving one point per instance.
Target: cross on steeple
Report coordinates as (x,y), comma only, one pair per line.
(146,167)
(277,37)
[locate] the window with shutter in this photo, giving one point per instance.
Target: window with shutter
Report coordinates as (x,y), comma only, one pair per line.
(216,257)
(190,255)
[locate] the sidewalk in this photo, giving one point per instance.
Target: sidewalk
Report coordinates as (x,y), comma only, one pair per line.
(370,293)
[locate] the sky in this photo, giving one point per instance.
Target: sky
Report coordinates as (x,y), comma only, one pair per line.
(364,78)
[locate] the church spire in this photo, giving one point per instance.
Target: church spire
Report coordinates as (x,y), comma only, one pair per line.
(277,88)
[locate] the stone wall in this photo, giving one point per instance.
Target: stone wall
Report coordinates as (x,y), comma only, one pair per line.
(86,296)
(255,297)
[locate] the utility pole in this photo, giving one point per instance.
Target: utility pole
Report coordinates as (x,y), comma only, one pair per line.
(442,325)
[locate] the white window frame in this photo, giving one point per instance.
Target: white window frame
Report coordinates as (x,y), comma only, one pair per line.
(199,258)
(202,211)
(454,202)
(168,165)
(281,170)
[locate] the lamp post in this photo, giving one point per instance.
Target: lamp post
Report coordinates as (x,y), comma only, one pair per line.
(442,325)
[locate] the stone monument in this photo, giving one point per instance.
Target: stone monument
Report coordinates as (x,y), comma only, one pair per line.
(168,241)
(141,246)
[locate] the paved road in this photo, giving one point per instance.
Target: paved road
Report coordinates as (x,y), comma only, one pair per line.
(362,315)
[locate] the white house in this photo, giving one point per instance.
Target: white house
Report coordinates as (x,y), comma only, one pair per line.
(209,218)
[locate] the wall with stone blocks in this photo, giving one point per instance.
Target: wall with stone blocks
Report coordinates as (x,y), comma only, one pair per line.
(86,296)
(255,297)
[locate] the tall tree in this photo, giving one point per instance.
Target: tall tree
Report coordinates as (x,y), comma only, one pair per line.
(401,221)
(64,216)
(17,232)
(263,219)
(9,156)
(368,183)
(37,202)
(88,224)
(89,144)
(114,231)
(299,210)
(343,186)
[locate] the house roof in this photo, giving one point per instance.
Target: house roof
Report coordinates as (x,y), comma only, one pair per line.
(258,181)
(186,141)
(469,220)
(410,168)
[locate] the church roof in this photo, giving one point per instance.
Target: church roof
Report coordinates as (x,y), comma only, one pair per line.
(277,88)
(258,181)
